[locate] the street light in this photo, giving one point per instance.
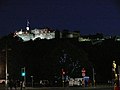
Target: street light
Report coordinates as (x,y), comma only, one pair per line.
(93,77)
(6,72)
(32,80)
(6,65)
(115,77)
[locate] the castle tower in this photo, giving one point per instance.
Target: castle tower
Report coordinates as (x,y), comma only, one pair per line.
(28,27)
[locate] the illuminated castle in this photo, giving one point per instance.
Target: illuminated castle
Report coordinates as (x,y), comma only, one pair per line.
(28,34)
(34,34)
(44,33)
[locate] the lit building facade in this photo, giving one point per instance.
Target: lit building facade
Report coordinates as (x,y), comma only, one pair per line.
(34,34)
(44,33)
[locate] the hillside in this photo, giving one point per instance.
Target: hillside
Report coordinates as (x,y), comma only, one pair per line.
(44,59)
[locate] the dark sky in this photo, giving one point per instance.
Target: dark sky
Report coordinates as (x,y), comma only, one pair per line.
(88,16)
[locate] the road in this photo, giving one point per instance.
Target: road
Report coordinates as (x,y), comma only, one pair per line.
(72,88)
(65,88)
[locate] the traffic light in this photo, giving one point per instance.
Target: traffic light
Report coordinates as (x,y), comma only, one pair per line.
(23,73)
(63,71)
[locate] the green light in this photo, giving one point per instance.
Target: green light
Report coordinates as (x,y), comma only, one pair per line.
(23,74)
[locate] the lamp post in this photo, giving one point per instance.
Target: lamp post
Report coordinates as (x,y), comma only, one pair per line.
(63,77)
(93,77)
(23,74)
(114,72)
(32,80)
(6,70)
(6,65)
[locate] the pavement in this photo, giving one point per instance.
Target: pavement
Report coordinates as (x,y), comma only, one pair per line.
(72,88)
(62,88)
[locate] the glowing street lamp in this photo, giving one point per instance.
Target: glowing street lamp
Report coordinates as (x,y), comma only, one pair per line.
(114,66)
(114,71)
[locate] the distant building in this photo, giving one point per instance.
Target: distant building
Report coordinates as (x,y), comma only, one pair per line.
(70,34)
(34,34)
(47,33)
(44,33)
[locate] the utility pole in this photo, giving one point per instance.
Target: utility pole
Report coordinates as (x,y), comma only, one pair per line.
(6,64)
(23,74)
(6,72)
(63,77)
(93,77)
(32,80)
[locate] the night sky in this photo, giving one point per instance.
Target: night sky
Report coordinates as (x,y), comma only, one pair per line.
(87,16)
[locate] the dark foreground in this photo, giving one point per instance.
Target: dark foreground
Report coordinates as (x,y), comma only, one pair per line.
(63,88)
(72,88)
